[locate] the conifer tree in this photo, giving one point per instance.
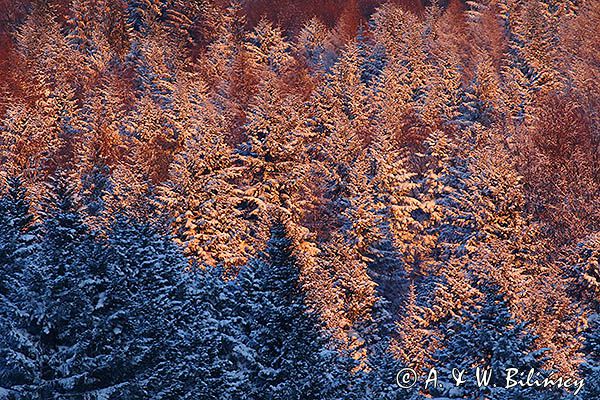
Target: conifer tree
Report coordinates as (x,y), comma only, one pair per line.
(204,200)
(46,317)
(509,248)
(590,368)
(214,350)
(586,258)
(480,99)
(487,337)
(394,189)
(313,45)
(101,145)
(141,14)
(267,49)
(274,157)
(16,238)
(141,315)
(380,380)
(414,338)
(283,333)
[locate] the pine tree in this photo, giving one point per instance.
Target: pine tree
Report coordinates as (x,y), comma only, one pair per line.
(402,88)
(17,242)
(101,145)
(216,356)
(267,49)
(394,189)
(276,171)
(444,87)
(89,320)
(414,337)
(373,56)
(203,202)
(379,382)
(141,14)
(481,97)
(586,259)
(508,248)
(202,194)
(355,290)
(89,30)
(313,46)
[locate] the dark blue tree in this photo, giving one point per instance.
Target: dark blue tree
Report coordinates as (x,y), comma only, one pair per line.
(143,312)
(48,312)
(380,382)
(16,238)
(487,337)
(590,369)
(291,358)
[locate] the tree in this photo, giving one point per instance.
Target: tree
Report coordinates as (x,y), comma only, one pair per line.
(204,200)
(414,337)
(480,100)
(141,14)
(314,47)
(274,161)
(267,49)
(444,86)
(46,316)
(89,318)
(285,336)
(355,291)
(101,145)
(216,356)
(590,368)
(17,242)
(380,379)
(585,258)
(402,87)
(16,239)
(509,248)
(487,337)
(394,190)
(141,314)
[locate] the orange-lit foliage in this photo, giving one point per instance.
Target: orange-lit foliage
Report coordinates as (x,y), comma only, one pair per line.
(560,162)
(414,149)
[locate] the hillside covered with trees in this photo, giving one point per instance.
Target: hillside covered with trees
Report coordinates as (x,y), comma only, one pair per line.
(296,200)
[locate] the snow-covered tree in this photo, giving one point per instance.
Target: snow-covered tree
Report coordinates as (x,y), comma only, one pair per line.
(275,168)
(215,358)
(380,379)
(46,317)
(141,312)
(16,239)
(284,335)
(486,337)
(590,368)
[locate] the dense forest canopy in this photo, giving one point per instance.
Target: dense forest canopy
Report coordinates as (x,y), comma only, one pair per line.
(201,199)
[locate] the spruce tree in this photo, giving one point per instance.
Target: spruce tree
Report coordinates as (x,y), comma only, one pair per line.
(146,302)
(292,359)
(16,238)
(214,356)
(46,315)
(380,382)
(487,336)
(590,369)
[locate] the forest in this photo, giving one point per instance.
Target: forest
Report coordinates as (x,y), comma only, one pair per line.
(298,200)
